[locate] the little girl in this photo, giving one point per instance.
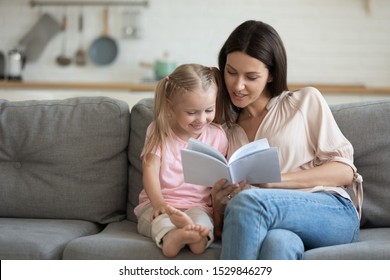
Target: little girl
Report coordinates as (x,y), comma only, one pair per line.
(173,213)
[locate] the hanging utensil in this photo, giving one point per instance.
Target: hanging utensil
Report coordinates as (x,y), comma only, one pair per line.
(80,56)
(2,66)
(104,49)
(62,59)
(36,39)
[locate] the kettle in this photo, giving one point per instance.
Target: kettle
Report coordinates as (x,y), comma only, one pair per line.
(16,62)
(162,67)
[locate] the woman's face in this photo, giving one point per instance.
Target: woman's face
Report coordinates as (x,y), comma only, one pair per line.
(246,78)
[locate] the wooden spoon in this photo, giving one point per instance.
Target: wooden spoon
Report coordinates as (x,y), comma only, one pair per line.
(81,56)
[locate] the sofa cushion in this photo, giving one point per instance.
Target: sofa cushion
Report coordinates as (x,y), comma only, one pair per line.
(141,116)
(64,159)
(374,244)
(29,239)
(121,241)
(367,126)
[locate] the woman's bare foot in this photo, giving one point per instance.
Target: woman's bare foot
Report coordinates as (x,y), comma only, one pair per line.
(193,235)
(178,217)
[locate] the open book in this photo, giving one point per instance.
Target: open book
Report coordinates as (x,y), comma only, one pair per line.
(255,162)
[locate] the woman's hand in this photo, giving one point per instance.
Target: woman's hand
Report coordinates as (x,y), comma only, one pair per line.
(221,194)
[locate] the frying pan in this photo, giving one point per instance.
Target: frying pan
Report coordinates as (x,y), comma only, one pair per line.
(103,49)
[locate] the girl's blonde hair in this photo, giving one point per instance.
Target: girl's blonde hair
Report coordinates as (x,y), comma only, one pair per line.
(186,78)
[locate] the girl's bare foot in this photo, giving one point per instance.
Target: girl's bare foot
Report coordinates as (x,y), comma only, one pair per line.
(200,246)
(178,217)
(193,235)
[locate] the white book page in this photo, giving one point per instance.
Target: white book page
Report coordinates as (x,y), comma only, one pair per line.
(201,169)
(196,145)
(258,168)
(250,148)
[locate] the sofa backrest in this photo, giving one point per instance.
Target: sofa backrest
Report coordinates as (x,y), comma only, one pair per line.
(141,116)
(64,159)
(367,126)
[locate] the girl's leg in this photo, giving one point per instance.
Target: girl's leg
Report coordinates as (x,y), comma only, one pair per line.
(187,232)
(144,225)
(201,218)
(171,236)
(177,238)
(281,244)
(319,219)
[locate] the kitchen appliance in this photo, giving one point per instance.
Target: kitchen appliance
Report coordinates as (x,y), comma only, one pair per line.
(16,62)
(162,67)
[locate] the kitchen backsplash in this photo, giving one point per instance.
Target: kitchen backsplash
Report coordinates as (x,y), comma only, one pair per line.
(327,41)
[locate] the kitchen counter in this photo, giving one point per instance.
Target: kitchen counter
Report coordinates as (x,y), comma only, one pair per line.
(150,87)
(133,92)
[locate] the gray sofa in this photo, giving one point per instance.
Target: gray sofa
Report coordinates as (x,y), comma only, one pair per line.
(70,176)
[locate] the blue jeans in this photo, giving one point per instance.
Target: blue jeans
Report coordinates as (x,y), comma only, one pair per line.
(282,224)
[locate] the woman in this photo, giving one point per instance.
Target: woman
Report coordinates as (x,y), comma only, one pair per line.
(310,207)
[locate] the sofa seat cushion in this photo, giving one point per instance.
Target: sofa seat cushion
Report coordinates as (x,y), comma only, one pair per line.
(26,239)
(64,159)
(374,244)
(121,241)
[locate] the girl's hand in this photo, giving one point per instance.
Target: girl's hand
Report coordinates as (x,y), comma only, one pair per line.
(158,210)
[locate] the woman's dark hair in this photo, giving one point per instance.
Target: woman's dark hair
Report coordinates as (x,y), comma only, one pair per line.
(261,41)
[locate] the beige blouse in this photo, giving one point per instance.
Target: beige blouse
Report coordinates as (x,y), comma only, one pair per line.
(303,128)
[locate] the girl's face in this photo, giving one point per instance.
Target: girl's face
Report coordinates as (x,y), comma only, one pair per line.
(246,78)
(192,112)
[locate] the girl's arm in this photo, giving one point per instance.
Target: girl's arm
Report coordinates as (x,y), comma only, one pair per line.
(151,181)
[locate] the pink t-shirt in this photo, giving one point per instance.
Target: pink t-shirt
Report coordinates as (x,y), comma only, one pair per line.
(174,190)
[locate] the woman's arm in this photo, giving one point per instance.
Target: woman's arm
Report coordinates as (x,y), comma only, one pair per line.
(220,194)
(151,181)
(329,174)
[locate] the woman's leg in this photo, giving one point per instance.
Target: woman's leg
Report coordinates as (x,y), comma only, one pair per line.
(281,244)
(319,219)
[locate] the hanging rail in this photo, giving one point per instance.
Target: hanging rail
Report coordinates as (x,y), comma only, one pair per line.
(89,3)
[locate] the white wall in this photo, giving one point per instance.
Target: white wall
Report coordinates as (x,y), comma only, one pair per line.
(327,41)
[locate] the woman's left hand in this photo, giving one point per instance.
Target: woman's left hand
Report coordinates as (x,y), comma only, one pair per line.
(222,193)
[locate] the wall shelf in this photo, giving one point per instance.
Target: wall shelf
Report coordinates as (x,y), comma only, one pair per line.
(89,3)
(147,87)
